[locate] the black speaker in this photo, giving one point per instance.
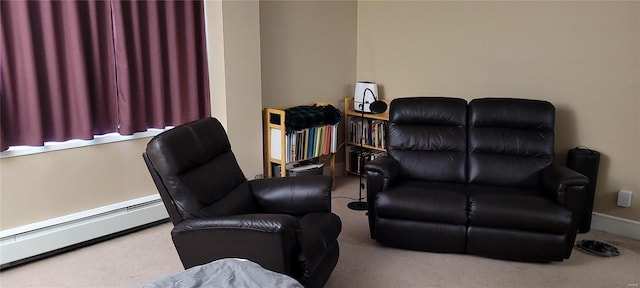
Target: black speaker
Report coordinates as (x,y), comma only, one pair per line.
(378,107)
(586,162)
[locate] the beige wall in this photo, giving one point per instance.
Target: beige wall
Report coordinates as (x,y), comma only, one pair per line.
(584,57)
(42,186)
(308,51)
(242,94)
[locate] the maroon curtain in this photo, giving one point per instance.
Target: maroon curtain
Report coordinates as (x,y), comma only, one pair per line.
(56,79)
(62,77)
(161,63)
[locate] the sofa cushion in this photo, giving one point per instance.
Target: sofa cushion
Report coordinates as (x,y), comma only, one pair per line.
(428,137)
(510,141)
(516,208)
(424,201)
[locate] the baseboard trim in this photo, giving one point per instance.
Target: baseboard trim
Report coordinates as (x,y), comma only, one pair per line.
(616,225)
(44,237)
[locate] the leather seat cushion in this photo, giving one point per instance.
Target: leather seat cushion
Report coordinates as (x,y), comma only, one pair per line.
(424,201)
(319,233)
(516,208)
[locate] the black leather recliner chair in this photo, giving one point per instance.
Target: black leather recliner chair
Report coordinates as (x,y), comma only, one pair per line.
(283,224)
(476,178)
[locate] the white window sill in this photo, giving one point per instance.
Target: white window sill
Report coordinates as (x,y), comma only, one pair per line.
(14,151)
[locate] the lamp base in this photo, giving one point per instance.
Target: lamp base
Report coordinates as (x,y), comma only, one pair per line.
(358,205)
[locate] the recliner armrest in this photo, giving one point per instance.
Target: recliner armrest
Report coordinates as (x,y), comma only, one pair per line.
(568,187)
(270,223)
(270,240)
(381,173)
(386,167)
(293,195)
(557,179)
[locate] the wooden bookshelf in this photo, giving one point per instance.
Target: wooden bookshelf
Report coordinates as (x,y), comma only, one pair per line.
(374,131)
(278,152)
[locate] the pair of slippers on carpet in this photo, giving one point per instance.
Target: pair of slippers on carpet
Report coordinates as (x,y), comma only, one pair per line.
(597,248)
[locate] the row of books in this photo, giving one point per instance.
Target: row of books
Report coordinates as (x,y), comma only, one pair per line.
(358,157)
(311,142)
(372,132)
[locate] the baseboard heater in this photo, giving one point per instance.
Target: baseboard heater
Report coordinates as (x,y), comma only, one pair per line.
(31,242)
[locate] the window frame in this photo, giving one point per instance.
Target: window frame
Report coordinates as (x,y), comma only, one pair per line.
(15,151)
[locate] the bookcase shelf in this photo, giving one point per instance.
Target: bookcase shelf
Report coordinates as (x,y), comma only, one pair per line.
(284,146)
(371,129)
(369,147)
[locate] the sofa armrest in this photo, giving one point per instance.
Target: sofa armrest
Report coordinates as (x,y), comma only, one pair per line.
(293,195)
(267,239)
(568,187)
(557,179)
(381,174)
(385,166)
(384,171)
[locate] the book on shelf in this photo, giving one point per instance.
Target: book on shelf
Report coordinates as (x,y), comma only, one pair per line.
(311,142)
(370,131)
(359,157)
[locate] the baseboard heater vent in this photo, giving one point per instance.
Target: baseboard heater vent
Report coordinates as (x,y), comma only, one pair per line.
(34,241)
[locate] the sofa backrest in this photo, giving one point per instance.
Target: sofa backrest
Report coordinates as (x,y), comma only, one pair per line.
(510,141)
(427,135)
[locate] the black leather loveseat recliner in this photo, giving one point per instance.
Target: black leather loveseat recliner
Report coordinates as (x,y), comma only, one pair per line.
(475,178)
(283,224)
